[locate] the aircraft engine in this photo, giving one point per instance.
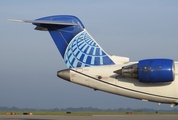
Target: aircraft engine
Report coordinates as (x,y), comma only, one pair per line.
(150,70)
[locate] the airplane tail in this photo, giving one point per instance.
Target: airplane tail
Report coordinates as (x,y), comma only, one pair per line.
(75,44)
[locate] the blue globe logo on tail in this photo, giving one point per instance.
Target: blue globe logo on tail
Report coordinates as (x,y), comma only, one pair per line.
(82,51)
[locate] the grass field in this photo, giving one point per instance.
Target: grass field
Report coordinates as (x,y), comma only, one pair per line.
(81,113)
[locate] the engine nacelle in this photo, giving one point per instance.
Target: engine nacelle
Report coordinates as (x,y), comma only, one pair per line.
(150,70)
(156,70)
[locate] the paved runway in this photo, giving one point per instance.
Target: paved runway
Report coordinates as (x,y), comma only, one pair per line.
(94,117)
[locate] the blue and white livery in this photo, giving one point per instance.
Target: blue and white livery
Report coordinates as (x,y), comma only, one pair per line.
(89,65)
(83,51)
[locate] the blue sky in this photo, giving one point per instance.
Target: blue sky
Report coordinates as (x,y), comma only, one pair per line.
(29,61)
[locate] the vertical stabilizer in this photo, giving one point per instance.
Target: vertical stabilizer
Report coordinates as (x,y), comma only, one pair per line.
(74,43)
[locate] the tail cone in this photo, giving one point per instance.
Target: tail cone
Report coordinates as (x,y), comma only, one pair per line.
(64,74)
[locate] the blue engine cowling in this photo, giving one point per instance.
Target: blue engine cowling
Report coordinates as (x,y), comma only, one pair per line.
(156,70)
(150,70)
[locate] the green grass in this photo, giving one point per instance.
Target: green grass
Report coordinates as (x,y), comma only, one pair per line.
(83,113)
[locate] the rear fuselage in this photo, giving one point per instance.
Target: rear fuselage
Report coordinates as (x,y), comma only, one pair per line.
(102,78)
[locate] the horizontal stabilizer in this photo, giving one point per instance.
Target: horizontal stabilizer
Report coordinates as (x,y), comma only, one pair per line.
(45,22)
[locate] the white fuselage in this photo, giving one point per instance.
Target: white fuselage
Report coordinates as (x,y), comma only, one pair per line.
(102,78)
